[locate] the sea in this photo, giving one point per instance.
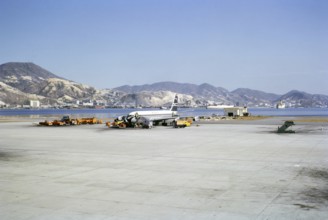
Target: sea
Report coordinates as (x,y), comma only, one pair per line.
(183,112)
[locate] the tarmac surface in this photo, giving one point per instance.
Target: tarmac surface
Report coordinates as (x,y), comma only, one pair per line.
(211,171)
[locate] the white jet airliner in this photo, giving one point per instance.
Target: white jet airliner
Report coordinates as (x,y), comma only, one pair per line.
(149,117)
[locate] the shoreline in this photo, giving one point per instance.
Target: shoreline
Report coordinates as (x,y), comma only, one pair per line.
(207,120)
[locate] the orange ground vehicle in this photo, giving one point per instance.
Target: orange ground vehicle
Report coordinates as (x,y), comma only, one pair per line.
(66,120)
(88,121)
(46,123)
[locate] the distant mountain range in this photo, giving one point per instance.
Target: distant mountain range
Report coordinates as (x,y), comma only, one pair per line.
(21,82)
(206,94)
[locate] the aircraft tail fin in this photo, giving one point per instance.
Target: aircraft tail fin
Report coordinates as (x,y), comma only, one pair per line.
(174,106)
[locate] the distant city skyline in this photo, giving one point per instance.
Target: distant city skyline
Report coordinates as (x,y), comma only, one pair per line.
(273,45)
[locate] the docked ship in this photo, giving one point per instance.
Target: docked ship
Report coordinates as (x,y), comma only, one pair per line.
(280,105)
(219,106)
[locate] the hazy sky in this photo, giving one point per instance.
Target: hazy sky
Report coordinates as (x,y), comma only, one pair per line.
(269,45)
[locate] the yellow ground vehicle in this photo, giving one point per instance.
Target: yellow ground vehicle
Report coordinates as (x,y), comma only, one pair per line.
(181,123)
(117,124)
(125,122)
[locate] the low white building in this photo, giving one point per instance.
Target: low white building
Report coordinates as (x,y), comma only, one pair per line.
(236,111)
(2,104)
(87,104)
(34,103)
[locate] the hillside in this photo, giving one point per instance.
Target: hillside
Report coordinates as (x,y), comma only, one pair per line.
(254,97)
(203,93)
(14,96)
(302,99)
(21,82)
(27,77)
(21,70)
(206,94)
(154,98)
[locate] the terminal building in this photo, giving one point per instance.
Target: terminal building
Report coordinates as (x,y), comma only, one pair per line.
(34,103)
(236,111)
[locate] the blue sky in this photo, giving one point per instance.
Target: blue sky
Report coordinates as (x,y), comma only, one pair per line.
(272,45)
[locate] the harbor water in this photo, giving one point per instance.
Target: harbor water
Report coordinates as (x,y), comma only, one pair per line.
(115,112)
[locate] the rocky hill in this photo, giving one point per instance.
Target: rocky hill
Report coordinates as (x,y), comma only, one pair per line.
(203,93)
(26,77)
(20,82)
(153,98)
(11,95)
(205,89)
(302,99)
(254,97)
(206,94)
(17,70)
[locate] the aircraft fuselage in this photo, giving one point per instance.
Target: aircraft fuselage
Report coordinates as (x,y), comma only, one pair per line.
(159,113)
